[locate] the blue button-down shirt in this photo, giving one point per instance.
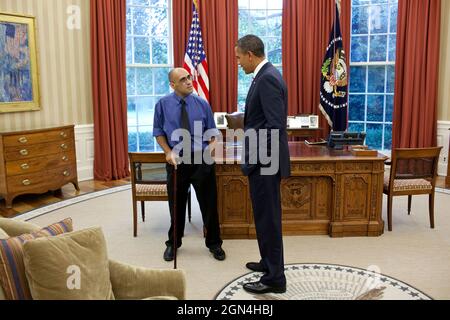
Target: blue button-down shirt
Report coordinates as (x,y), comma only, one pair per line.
(168,118)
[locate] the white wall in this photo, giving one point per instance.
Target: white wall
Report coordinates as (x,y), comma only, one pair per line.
(84,142)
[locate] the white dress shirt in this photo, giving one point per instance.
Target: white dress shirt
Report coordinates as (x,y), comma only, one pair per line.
(259,67)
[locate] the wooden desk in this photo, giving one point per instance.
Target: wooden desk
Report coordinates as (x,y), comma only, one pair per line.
(329,192)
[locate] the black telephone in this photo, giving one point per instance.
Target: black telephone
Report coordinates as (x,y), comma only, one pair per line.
(339,139)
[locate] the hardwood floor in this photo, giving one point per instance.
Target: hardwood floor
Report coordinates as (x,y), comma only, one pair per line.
(26,203)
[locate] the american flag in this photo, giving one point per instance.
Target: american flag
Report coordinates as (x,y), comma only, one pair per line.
(195,58)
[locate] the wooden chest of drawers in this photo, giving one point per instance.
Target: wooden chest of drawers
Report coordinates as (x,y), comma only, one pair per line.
(36,161)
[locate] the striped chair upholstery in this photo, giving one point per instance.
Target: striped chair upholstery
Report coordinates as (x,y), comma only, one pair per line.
(407,184)
(156,190)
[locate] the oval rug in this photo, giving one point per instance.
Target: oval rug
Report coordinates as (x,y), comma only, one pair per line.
(315,281)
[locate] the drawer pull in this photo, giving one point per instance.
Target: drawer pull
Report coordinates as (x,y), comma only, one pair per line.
(63,134)
(25,166)
(24,152)
(23,140)
(26,182)
(64,146)
(65,158)
(66,173)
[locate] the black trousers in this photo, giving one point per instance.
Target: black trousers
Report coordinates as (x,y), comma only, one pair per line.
(266,201)
(203,178)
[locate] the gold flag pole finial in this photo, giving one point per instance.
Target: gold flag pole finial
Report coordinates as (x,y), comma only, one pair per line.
(338,3)
(196,3)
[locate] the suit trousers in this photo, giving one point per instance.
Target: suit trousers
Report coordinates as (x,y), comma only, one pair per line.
(203,178)
(266,201)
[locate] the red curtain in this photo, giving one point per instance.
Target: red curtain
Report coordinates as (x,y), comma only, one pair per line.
(416,74)
(219,21)
(182,18)
(306,30)
(108,31)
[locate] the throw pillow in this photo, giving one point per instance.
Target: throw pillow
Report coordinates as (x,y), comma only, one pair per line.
(12,273)
(15,228)
(71,266)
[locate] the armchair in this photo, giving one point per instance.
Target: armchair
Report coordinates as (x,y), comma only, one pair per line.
(128,282)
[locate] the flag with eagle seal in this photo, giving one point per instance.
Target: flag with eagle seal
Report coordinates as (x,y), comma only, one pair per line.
(334,81)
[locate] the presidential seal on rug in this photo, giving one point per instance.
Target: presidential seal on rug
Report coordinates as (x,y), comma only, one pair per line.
(314,281)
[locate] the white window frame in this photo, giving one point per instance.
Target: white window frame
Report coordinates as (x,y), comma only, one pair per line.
(170,64)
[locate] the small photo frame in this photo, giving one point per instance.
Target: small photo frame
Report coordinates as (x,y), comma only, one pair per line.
(220,120)
(314,121)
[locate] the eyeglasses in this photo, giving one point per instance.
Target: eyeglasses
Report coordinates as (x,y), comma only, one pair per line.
(185,79)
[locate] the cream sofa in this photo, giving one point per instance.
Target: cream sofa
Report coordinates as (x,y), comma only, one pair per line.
(128,282)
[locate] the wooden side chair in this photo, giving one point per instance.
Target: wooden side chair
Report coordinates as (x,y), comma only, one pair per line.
(149,182)
(413,172)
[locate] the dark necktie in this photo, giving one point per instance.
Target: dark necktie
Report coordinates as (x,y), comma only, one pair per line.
(184,116)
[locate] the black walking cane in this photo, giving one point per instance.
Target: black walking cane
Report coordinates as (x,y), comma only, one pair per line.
(174,217)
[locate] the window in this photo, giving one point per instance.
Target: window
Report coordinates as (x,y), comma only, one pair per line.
(262,18)
(372,68)
(149,59)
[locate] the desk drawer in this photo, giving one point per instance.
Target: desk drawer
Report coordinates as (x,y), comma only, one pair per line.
(63,174)
(50,179)
(38,150)
(27,182)
(26,166)
(36,138)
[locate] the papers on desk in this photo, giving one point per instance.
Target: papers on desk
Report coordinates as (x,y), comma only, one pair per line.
(233,145)
(320,142)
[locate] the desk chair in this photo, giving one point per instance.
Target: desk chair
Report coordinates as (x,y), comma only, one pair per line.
(413,171)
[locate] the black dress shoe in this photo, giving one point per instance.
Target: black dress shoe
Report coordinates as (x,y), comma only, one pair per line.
(259,288)
(255,266)
(218,253)
(168,253)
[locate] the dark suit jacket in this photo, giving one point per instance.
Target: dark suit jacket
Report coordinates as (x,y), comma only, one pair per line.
(266,108)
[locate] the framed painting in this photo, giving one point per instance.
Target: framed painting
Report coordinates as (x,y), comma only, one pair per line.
(19,83)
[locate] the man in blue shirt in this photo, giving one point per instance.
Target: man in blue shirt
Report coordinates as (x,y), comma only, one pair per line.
(184,110)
